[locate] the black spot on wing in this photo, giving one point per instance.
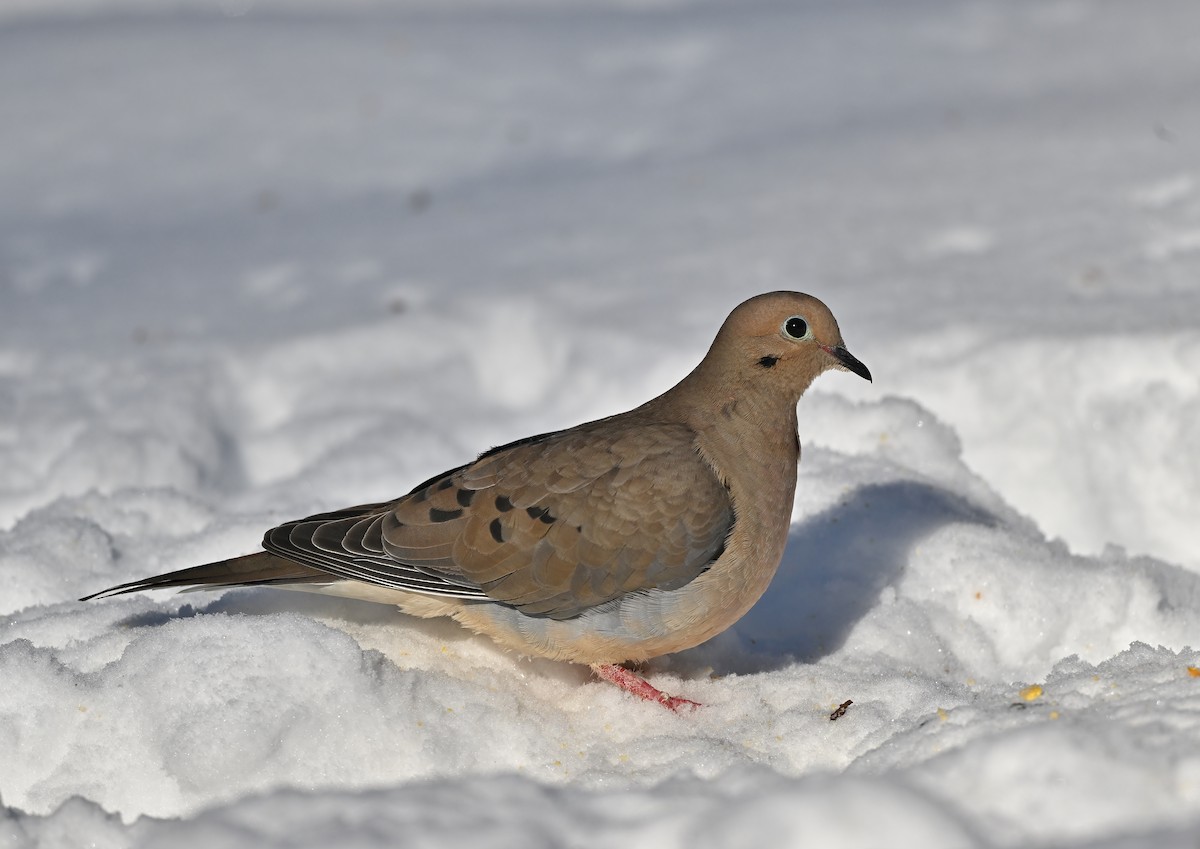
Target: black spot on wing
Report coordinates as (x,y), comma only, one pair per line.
(497,530)
(464,497)
(438,515)
(503,504)
(542,514)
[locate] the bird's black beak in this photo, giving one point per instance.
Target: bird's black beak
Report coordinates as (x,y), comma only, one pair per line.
(850,362)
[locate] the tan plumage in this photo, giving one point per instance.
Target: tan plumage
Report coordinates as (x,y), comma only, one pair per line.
(620,539)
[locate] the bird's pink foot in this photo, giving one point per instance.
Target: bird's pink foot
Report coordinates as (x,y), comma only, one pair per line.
(640,687)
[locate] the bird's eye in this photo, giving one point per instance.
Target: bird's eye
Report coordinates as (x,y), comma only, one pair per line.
(795,328)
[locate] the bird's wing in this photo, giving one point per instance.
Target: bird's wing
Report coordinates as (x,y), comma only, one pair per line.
(551,525)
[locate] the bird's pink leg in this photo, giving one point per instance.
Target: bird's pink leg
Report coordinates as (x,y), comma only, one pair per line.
(640,687)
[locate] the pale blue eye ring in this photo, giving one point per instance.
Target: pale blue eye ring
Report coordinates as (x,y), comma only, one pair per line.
(796,328)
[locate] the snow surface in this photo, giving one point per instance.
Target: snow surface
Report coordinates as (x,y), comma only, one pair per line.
(261,259)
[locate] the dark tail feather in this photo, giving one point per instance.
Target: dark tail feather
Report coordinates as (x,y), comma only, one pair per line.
(251,570)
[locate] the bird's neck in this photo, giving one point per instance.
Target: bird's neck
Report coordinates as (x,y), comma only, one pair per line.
(752,432)
(755,449)
(726,409)
(757,435)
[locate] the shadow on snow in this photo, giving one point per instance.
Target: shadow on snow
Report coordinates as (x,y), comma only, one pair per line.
(834,568)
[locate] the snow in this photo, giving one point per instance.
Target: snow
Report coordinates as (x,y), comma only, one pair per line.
(261,259)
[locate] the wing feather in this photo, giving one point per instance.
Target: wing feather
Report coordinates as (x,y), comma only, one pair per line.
(552,525)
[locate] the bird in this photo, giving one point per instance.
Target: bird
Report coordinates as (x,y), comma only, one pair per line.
(609,543)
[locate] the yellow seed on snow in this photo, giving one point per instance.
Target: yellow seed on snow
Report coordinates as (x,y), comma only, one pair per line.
(1031,693)
(1194,671)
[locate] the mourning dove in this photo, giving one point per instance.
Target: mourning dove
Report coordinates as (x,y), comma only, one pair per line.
(618,540)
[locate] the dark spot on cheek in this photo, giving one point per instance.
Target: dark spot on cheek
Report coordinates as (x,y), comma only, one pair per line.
(503,504)
(438,515)
(464,497)
(768,361)
(497,530)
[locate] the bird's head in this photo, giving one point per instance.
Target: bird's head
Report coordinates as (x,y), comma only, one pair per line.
(788,334)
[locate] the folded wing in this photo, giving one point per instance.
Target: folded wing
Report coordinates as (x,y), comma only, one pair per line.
(551,525)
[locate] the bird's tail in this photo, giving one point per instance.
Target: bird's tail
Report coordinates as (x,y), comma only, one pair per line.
(252,570)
